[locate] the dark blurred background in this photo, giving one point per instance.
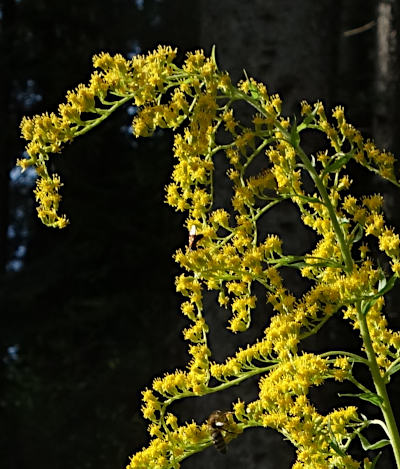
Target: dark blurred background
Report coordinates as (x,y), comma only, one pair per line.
(89,314)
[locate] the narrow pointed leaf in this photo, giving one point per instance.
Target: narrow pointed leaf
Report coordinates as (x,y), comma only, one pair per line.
(375,460)
(366,306)
(387,285)
(394,369)
(372,446)
(358,234)
(338,163)
(366,396)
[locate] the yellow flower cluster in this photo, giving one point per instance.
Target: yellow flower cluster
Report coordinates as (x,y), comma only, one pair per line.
(283,405)
(291,378)
(141,79)
(228,251)
(385,341)
(364,152)
(165,451)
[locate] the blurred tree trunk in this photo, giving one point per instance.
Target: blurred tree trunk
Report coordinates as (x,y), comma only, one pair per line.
(387,72)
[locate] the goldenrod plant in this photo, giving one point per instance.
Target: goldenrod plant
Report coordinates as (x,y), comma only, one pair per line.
(227,254)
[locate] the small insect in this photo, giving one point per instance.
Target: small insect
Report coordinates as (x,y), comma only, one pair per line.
(193,237)
(217,424)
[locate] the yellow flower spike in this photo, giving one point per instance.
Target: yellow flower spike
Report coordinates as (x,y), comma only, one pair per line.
(389,242)
(231,367)
(271,245)
(188,310)
(25,163)
(220,217)
(196,332)
(27,128)
(306,108)
(155,430)
(82,99)
(239,410)
(98,85)
(395,265)
(217,371)
(276,102)
(172,421)
(363,250)
(338,114)
(273,277)
(374,202)
(149,412)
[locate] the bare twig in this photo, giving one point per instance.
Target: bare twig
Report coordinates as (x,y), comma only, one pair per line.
(360,29)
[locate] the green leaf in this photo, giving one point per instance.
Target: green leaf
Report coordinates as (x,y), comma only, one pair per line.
(371,397)
(338,163)
(336,447)
(393,369)
(385,285)
(294,134)
(375,460)
(366,306)
(366,396)
(382,283)
(379,444)
(371,446)
(213,54)
(298,264)
(358,234)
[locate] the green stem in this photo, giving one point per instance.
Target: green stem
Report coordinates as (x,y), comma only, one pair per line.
(341,353)
(220,387)
(256,152)
(315,329)
(332,213)
(107,112)
(380,386)
(394,363)
(378,380)
(314,175)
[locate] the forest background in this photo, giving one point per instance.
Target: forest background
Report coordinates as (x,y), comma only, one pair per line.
(89,314)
